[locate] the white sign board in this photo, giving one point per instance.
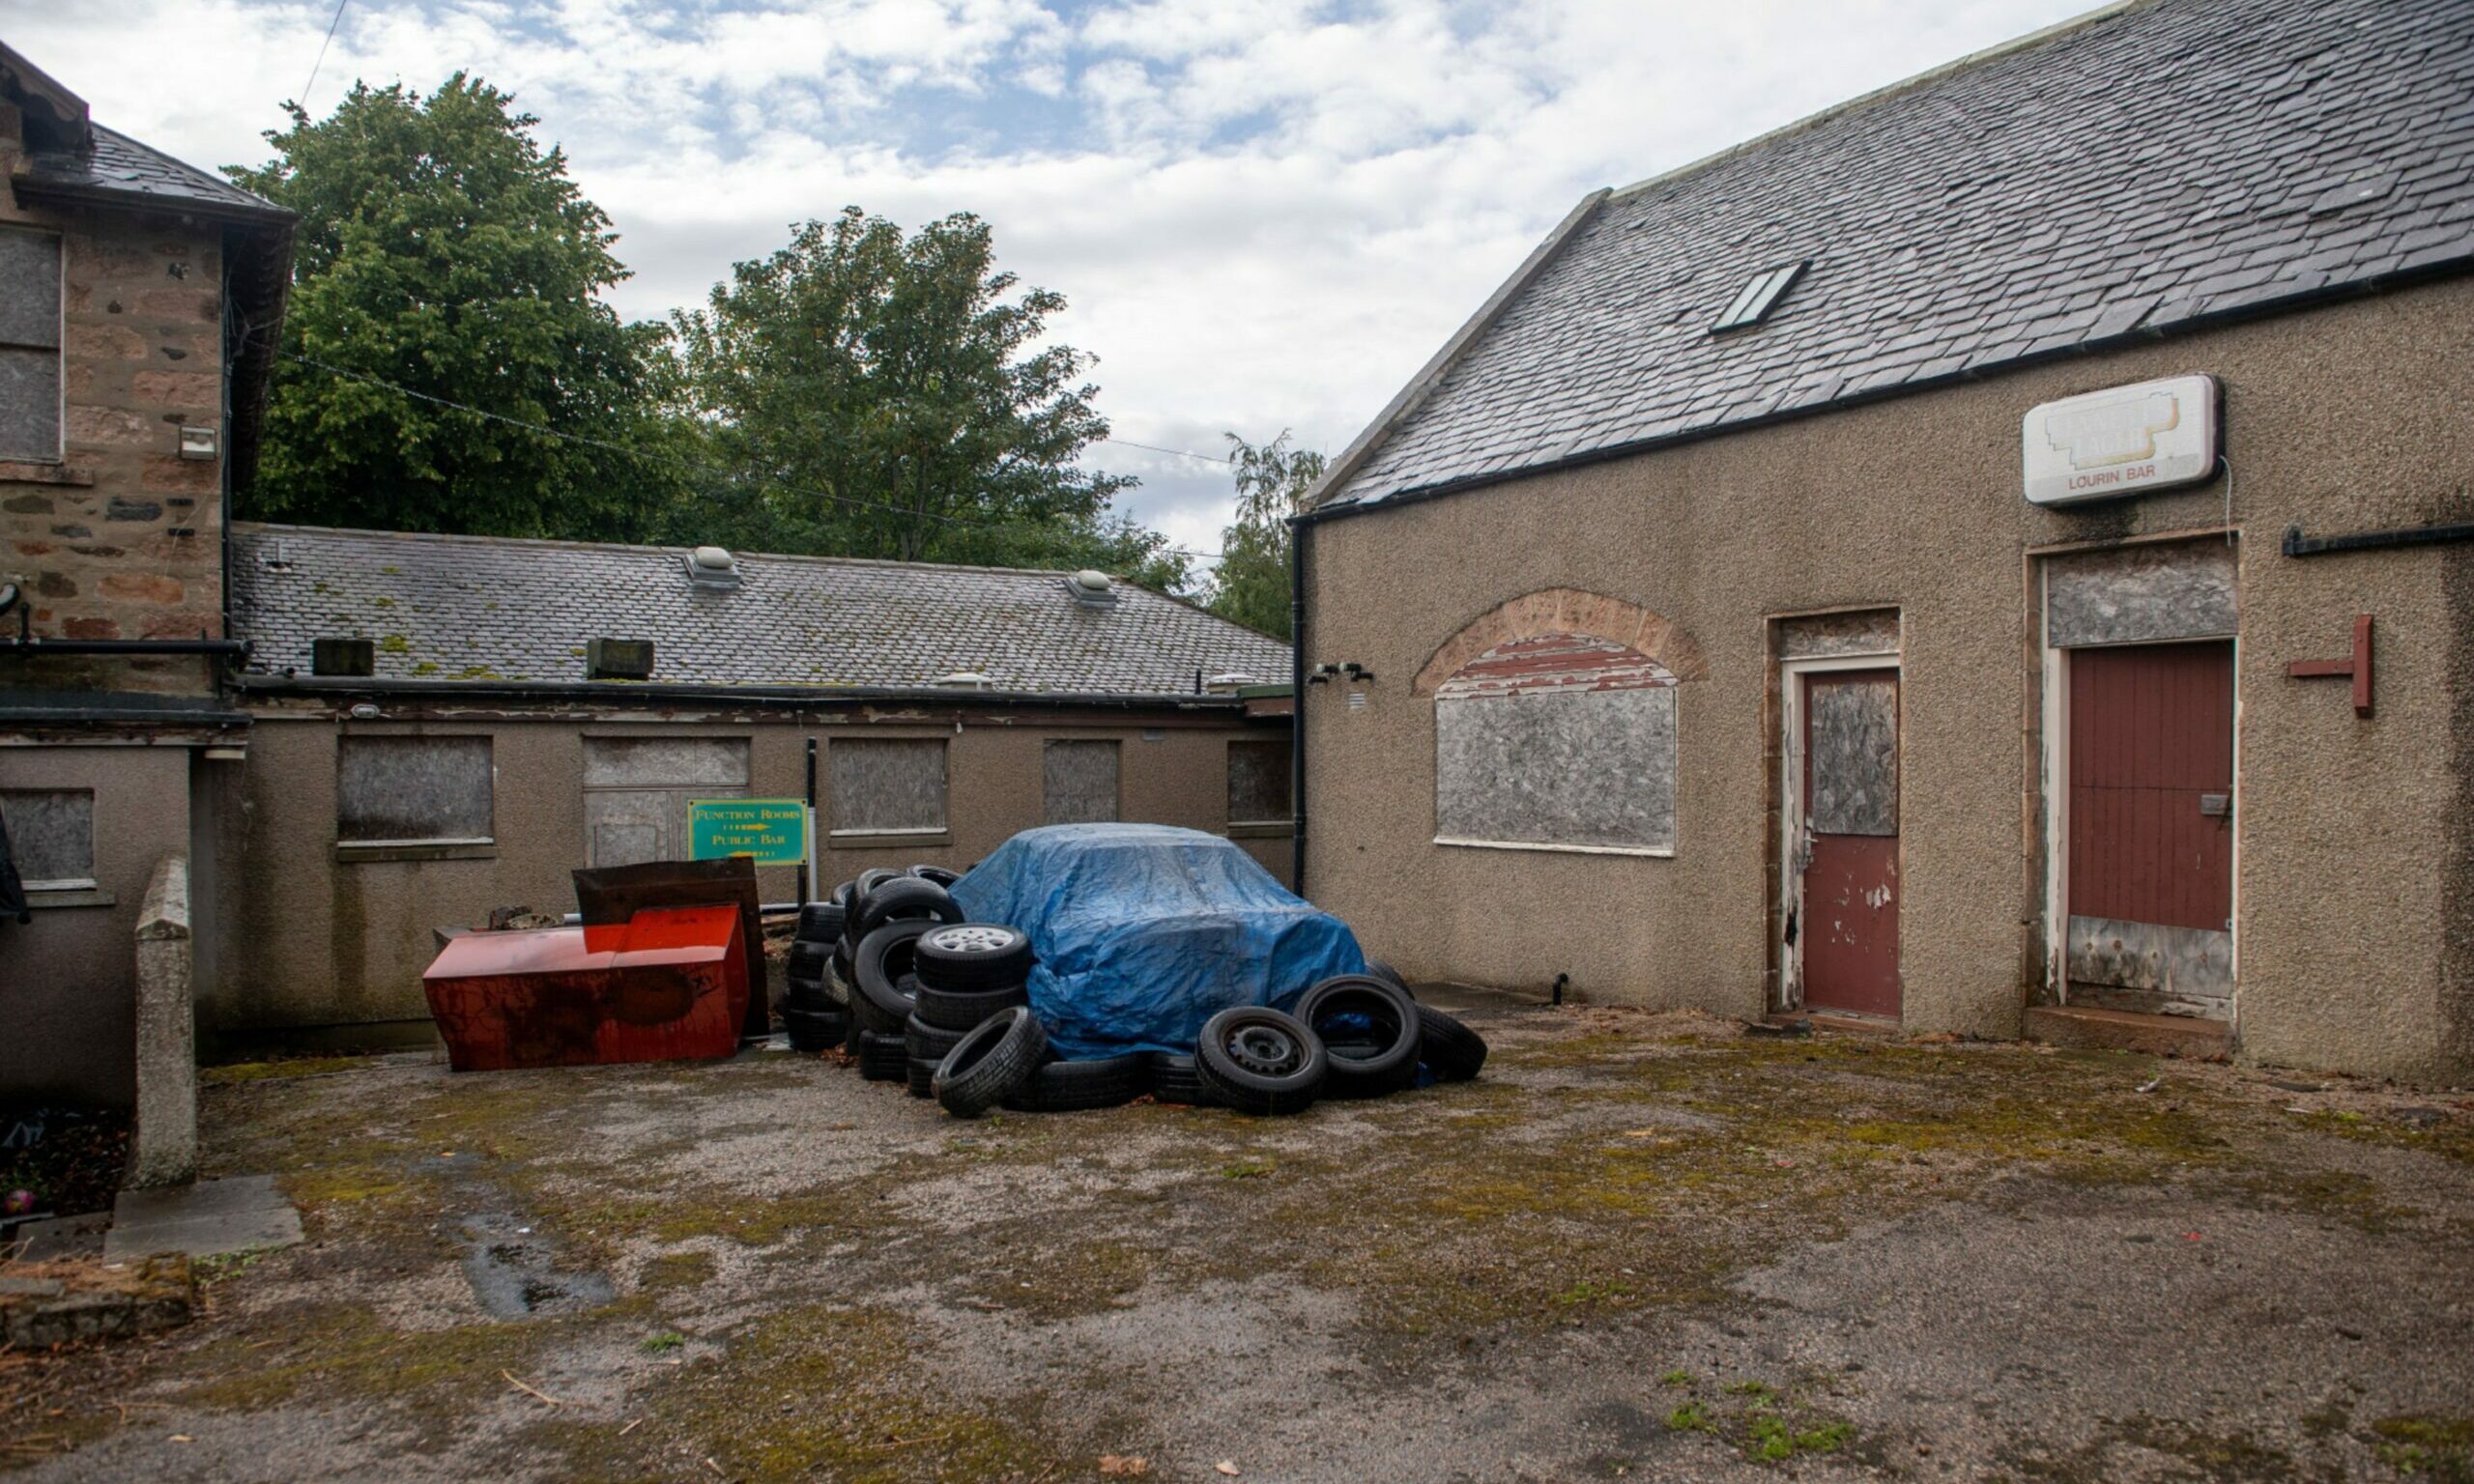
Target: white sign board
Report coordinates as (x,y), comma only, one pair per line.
(2127,441)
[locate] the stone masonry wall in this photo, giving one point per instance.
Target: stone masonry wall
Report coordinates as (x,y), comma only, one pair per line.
(123,538)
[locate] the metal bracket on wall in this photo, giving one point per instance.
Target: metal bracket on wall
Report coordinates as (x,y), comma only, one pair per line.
(2357,668)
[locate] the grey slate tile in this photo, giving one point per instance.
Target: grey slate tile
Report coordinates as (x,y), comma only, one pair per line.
(2275,148)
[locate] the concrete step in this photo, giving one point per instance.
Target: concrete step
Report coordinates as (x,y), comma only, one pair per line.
(2089,1029)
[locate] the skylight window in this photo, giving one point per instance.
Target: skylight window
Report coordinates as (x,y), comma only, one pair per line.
(1753,304)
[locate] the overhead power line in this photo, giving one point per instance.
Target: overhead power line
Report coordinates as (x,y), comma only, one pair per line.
(337,20)
(650,456)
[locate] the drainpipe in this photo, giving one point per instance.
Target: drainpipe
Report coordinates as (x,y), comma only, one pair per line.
(1297,703)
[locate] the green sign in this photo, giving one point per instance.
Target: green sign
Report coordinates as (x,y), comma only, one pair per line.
(774,831)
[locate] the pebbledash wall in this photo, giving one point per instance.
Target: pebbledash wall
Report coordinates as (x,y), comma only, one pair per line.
(2354,871)
(327,946)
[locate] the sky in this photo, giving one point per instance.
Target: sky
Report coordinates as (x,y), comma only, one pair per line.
(1264,215)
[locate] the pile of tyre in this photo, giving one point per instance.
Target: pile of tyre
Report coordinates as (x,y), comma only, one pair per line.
(889,970)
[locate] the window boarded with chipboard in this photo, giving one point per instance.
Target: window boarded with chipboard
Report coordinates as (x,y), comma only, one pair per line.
(29,345)
(51,836)
(636,789)
(1564,741)
(1258,782)
(882,786)
(1080,782)
(413,791)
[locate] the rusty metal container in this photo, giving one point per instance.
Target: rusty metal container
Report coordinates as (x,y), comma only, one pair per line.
(669,983)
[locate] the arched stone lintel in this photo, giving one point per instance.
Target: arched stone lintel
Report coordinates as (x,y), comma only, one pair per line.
(1566,611)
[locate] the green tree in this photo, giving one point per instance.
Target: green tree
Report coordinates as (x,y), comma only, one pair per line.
(887,397)
(1251,587)
(442,250)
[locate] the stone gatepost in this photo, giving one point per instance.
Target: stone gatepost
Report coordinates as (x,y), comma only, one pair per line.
(163,1149)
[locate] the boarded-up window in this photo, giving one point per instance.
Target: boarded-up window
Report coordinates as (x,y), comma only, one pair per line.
(1258,782)
(1561,741)
(883,787)
(51,836)
(29,345)
(1854,758)
(412,789)
(636,789)
(1082,782)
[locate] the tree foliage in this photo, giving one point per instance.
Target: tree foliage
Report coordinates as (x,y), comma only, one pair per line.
(882,395)
(1253,585)
(442,250)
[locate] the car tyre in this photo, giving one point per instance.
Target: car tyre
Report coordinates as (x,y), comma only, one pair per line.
(883,1058)
(1076,1086)
(1371,1062)
(1451,1048)
(883,966)
(1174,1080)
(1257,1060)
(994,1060)
(905,898)
(815,1030)
(973,957)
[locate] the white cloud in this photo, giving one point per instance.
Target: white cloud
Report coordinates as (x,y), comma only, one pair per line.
(1265,213)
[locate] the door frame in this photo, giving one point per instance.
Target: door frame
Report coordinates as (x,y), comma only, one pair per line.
(2056,790)
(1792,675)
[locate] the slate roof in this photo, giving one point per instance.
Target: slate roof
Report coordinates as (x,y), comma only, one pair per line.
(473,607)
(113,165)
(2143,170)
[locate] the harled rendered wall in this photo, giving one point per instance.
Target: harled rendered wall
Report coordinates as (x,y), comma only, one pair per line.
(2354,889)
(317,950)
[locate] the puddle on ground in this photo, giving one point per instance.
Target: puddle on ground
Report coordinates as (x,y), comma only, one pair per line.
(515,1273)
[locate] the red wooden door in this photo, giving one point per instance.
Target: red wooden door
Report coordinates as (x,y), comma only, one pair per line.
(2152,784)
(1849,917)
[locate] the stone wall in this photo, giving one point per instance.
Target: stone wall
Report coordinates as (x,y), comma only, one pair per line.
(122,538)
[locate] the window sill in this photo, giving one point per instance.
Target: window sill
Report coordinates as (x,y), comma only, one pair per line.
(1653,852)
(90,897)
(885,839)
(32,472)
(1281,829)
(352,852)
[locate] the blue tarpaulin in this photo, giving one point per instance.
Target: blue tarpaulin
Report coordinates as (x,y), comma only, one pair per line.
(1145,931)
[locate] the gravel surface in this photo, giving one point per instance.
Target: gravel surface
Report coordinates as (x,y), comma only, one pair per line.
(1640,1245)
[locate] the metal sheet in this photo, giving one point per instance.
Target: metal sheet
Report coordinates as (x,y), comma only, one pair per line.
(2150,967)
(1816,635)
(408,788)
(30,289)
(2141,594)
(1592,768)
(1853,765)
(887,785)
(1079,781)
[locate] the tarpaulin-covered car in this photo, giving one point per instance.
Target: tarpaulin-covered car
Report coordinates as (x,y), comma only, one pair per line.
(1145,931)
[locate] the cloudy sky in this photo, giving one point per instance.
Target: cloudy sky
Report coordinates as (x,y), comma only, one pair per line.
(1263,214)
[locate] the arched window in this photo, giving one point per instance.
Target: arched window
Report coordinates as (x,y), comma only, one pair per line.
(1555,727)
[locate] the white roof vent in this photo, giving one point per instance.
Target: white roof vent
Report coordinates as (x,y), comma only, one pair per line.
(710,567)
(1091,589)
(965,679)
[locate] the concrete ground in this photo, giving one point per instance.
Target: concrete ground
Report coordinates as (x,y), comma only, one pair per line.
(1641,1246)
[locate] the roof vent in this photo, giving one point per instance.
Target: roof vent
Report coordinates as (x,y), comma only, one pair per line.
(618,659)
(1091,589)
(710,567)
(1754,303)
(342,656)
(966,680)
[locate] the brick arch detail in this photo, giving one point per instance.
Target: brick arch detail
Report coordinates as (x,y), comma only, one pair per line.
(1566,611)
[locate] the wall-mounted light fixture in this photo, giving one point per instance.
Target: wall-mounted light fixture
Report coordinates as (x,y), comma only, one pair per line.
(196,442)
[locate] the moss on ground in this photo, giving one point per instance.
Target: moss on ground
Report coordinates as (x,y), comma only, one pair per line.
(2428,1445)
(817,1391)
(285,1067)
